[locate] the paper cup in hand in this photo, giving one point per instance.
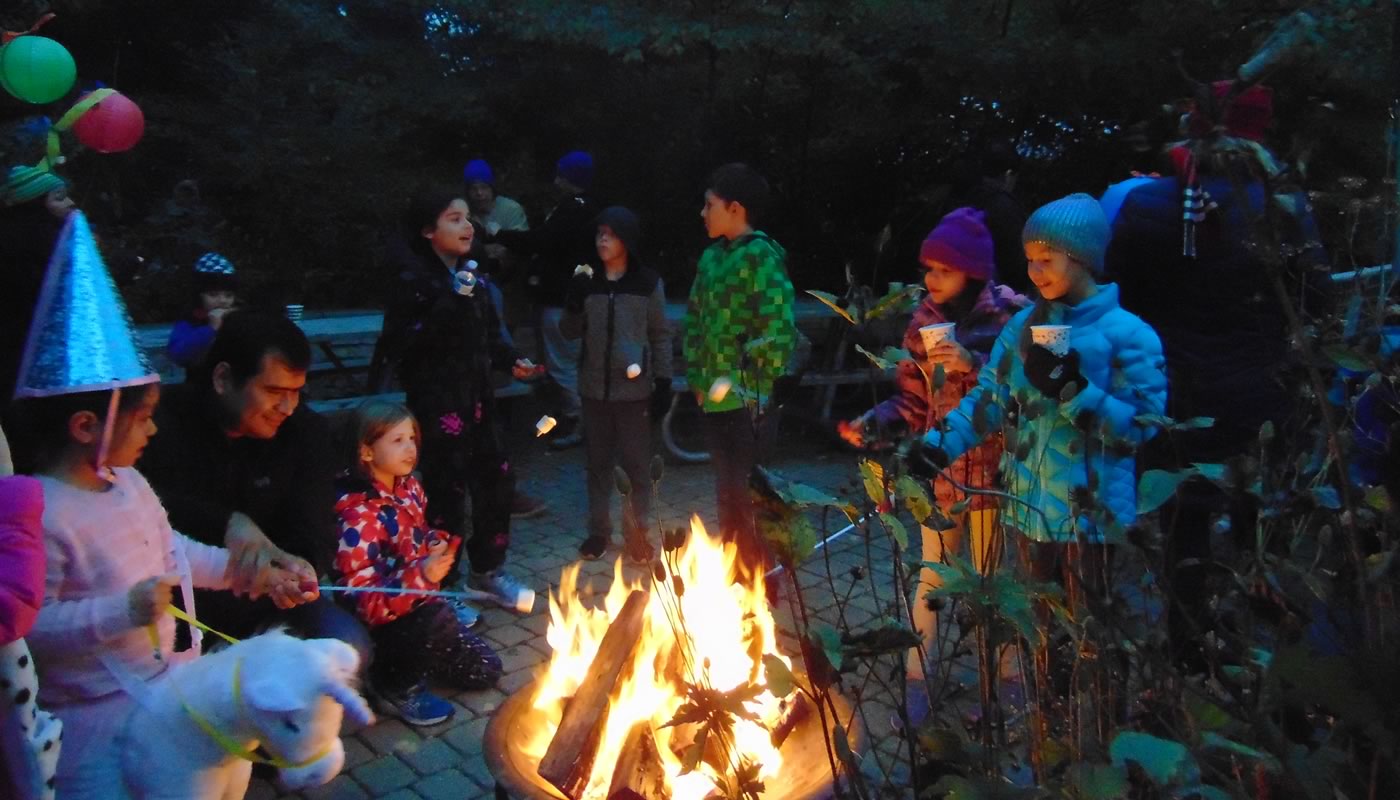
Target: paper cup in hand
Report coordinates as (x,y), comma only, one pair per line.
(1054,338)
(545,425)
(720,389)
(934,335)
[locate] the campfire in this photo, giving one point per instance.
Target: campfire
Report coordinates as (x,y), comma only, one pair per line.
(626,707)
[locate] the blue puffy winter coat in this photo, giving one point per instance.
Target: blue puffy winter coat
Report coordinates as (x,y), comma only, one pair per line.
(1073,460)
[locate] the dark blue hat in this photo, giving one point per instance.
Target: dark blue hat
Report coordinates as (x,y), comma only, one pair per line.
(576,168)
(478,171)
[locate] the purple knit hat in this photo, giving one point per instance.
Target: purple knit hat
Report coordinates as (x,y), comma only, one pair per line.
(961,241)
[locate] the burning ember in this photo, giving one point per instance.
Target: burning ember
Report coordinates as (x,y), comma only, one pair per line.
(620,674)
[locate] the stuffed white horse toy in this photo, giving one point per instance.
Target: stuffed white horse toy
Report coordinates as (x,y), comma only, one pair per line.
(195,733)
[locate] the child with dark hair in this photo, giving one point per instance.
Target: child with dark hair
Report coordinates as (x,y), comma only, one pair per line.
(88,398)
(215,285)
(386,542)
(442,331)
(962,314)
(619,311)
(739,332)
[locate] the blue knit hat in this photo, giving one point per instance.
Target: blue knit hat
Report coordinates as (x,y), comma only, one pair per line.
(576,168)
(1074,225)
(478,171)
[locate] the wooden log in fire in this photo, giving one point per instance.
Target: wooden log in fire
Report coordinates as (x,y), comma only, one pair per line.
(639,774)
(569,759)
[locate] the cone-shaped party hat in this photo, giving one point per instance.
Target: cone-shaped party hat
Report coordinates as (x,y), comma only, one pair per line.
(81,339)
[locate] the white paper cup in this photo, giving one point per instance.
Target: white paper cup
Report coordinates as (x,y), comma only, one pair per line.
(1054,338)
(934,335)
(295,312)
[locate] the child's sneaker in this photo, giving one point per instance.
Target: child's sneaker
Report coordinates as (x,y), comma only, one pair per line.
(467,615)
(506,590)
(418,706)
(593,548)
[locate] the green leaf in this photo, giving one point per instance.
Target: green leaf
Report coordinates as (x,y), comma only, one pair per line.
(900,301)
(914,497)
(799,494)
(896,529)
(874,359)
(1166,762)
(1379,499)
(1346,358)
(873,475)
(894,355)
(1215,473)
(829,640)
(1157,487)
(1327,497)
(780,680)
(830,301)
(890,638)
(1099,781)
(1207,715)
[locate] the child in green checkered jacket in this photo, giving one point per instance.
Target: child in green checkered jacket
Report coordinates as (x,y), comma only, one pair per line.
(738,341)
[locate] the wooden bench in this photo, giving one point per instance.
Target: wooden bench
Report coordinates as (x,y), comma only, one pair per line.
(341,405)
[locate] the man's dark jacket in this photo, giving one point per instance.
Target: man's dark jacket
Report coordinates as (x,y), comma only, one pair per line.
(285,484)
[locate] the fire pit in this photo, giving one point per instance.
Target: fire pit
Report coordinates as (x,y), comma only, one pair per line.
(596,723)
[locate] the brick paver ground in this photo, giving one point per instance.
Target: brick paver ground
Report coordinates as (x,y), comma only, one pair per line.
(444,762)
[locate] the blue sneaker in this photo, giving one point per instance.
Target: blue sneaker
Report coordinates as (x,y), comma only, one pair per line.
(418,706)
(467,615)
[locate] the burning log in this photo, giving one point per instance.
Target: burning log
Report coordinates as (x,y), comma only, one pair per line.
(639,774)
(795,711)
(569,759)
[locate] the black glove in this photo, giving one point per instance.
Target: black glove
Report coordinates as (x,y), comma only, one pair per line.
(660,397)
(577,291)
(1051,373)
(925,460)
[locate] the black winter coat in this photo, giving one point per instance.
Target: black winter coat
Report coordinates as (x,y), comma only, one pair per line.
(445,345)
(556,247)
(1223,330)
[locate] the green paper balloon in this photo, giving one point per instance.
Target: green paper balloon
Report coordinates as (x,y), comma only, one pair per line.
(36,69)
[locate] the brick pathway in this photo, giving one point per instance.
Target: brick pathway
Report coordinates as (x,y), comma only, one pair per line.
(393,761)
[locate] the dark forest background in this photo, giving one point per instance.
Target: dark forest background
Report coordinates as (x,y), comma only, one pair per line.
(305,125)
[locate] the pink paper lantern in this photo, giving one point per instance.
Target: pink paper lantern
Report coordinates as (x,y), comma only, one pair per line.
(112,126)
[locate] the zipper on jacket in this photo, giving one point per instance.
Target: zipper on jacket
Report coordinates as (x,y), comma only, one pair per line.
(608,342)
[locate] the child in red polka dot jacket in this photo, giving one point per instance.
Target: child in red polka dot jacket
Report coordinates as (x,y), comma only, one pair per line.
(387,543)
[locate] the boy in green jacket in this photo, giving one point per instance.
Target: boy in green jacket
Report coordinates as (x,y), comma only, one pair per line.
(739,339)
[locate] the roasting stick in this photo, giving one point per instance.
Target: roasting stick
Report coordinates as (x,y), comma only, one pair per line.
(470,594)
(824,542)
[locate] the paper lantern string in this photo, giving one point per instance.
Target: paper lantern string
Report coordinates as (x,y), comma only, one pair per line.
(55,154)
(9,36)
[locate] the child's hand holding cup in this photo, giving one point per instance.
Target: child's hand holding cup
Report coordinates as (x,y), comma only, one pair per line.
(935,334)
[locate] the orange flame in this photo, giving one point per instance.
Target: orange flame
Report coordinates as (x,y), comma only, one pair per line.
(727,628)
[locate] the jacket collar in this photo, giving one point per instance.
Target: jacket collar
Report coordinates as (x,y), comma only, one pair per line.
(1090,310)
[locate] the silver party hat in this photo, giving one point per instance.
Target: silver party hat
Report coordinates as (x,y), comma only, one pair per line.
(81,339)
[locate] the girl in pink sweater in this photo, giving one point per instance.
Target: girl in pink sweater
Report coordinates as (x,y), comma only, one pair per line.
(113,562)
